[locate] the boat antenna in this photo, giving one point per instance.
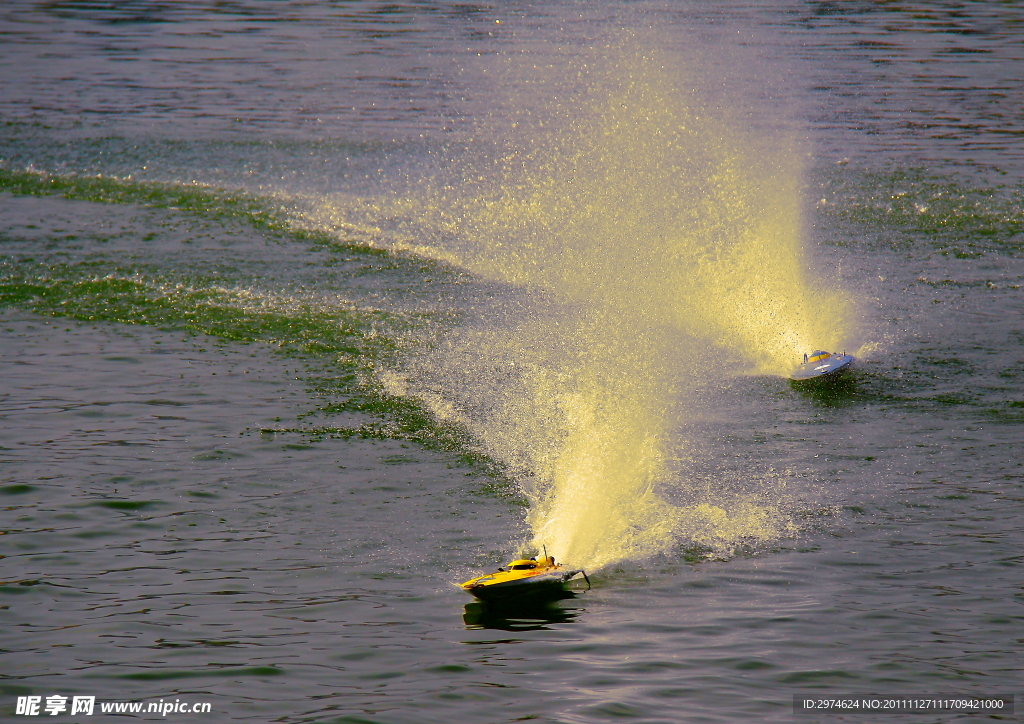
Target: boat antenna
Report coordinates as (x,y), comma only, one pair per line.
(545,550)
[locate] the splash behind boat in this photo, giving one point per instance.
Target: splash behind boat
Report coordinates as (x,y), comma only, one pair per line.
(821,364)
(526,576)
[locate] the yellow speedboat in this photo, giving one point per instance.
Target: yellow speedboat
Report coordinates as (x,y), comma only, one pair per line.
(526,576)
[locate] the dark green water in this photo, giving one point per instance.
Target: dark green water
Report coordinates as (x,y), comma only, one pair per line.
(281,365)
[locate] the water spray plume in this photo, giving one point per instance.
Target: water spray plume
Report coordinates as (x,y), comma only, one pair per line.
(668,232)
(587,510)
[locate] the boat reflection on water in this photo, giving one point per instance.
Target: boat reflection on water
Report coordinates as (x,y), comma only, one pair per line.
(837,391)
(524,613)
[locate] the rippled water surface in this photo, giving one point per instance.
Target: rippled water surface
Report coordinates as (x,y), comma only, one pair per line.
(309,312)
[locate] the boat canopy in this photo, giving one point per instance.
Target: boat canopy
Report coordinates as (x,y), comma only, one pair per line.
(522,565)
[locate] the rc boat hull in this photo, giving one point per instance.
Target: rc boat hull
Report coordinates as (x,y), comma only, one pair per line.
(540,585)
(822,365)
(522,578)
